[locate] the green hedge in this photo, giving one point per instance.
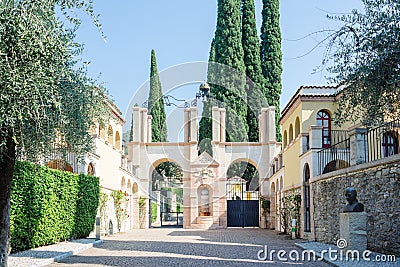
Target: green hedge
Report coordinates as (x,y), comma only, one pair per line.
(49,205)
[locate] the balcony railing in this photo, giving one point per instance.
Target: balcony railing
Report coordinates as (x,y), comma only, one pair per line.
(338,136)
(382,141)
(334,157)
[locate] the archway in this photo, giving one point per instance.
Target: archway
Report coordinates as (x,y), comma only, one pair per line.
(246,170)
(167,184)
(335,165)
(307,212)
(242,195)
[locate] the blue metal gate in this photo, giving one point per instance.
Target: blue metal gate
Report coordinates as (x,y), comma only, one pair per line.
(243,213)
(243,206)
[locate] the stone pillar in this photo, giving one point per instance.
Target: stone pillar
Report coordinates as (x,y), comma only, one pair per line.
(358,146)
(143,125)
(305,142)
(193,125)
(223,124)
(186,125)
(216,125)
(173,202)
(149,131)
(262,125)
(315,137)
(353,226)
(135,213)
(136,120)
(271,127)
(186,199)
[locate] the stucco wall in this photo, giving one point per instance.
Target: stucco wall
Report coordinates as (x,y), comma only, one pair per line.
(378,187)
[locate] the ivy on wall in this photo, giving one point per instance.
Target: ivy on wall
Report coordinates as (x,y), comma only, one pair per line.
(49,205)
(120,206)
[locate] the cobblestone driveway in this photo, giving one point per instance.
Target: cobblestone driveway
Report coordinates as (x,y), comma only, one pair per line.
(184,247)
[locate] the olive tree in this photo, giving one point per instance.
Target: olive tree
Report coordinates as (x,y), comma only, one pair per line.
(46,97)
(365,53)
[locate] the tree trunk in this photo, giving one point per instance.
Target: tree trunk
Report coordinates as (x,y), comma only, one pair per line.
(7,162)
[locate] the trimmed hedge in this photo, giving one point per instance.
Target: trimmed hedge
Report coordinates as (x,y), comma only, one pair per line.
(49,205)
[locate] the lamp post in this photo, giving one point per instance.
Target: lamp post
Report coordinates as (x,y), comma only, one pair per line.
(204,91)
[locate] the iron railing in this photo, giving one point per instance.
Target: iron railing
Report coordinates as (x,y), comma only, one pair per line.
(335,157)
(382,141)
(171,219)
(338,136)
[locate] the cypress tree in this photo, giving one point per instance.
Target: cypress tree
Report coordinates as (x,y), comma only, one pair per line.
(205,124)
(156,104)
(271,56)
(255,80)
(231,84)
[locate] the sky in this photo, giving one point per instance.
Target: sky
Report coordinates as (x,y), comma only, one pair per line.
(180,31)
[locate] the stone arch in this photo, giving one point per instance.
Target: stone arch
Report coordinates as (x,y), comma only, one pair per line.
(335,165)
(281,183)
(290,133)
(117,140)
(155,182)
(297,127)
(110,134)
(252,185)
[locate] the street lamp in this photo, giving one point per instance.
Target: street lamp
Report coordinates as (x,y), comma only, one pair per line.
(204,91)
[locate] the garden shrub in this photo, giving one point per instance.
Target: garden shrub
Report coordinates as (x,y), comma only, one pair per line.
(49,205)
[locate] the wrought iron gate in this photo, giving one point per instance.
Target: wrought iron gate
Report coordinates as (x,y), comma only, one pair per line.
(242,206)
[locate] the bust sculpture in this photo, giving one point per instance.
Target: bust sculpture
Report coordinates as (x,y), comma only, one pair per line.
(354,205)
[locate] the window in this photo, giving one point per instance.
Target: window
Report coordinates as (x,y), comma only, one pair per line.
(324,120)
(390,144)
(284,139)
(90,169)
(297,127)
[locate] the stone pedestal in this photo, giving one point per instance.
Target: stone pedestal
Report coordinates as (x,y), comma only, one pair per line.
(353,226)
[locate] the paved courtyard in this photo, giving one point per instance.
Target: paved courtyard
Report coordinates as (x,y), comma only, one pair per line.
(184,247)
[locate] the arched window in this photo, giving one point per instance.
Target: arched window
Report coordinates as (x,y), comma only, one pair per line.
(90,169)
(117,140)
(390,144)
(285,139)
(297,127)
(110,135)
(102,132)
(324,120)
(290,133)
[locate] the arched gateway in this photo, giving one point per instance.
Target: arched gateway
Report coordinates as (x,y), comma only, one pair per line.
(204,177)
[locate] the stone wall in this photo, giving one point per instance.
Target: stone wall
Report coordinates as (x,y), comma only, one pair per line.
(378,188)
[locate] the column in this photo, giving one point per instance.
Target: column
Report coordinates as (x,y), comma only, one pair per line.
(216,125)
(358,146)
